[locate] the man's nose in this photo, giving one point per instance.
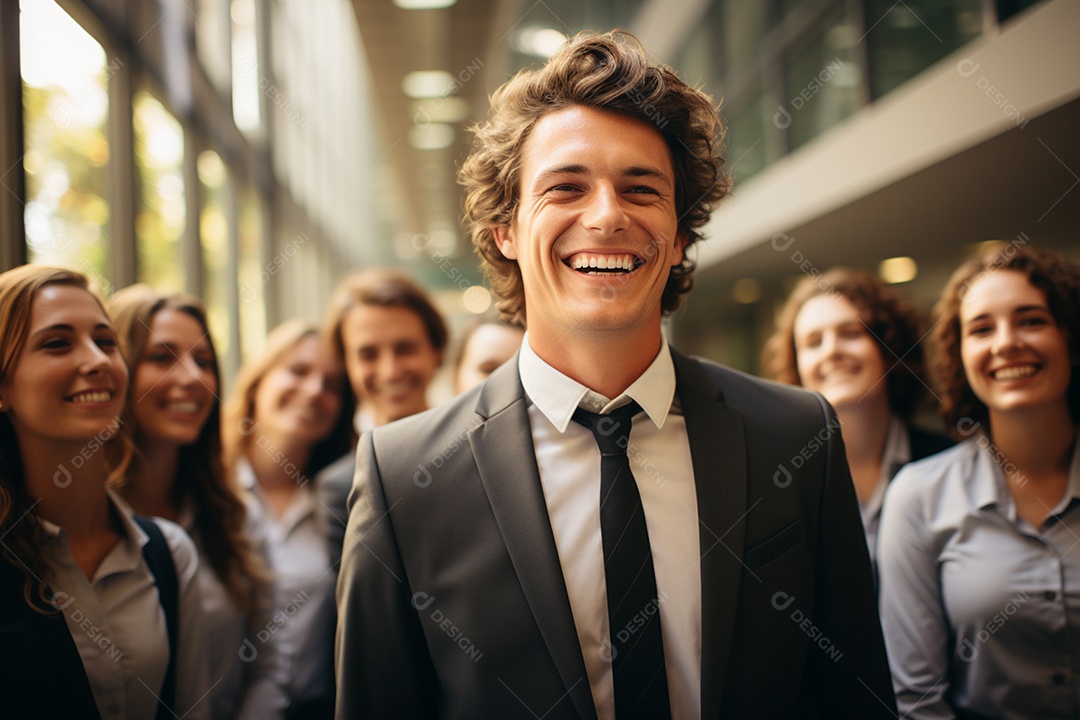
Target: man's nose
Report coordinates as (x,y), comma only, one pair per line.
(604,210)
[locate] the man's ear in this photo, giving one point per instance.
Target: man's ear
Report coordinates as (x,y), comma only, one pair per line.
(679,250)
(504,240)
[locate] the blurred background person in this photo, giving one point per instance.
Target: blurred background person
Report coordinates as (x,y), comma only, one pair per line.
(855,340)
(391,338)
(177,473)
(288,416)
(486,344)
(979,577)
(99,611)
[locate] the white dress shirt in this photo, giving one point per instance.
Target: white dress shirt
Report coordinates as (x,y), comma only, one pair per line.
(304,614)
(247,670)
(118,626)
(569,463)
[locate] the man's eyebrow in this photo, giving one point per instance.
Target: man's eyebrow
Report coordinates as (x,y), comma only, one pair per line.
(644,171)
(634,171)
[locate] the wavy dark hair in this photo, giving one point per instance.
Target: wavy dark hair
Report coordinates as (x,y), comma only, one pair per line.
(21,530)
(200,475)
(1059,281)
(608,72)
(890,318)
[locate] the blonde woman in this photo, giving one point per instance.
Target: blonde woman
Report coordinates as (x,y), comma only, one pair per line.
(288,417)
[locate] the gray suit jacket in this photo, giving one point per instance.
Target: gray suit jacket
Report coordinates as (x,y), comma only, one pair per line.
(451,597)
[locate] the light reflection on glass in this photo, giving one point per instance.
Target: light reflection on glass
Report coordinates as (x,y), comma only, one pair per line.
(65,111)
(159,216)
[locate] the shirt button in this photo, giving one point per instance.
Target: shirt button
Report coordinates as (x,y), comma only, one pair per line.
(1059,678)
(1049,594)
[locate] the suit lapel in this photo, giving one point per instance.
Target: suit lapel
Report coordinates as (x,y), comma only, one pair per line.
(718,448)
(503,449)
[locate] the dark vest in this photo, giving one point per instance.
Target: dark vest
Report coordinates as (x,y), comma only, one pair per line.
(41,672)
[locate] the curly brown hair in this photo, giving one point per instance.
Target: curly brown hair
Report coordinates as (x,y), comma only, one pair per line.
(890,318)
(20,529)
(200,474)
(607,72)
(1057,278)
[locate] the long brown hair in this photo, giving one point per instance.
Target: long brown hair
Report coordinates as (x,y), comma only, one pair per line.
(220,514)
(238,426)
(20,529)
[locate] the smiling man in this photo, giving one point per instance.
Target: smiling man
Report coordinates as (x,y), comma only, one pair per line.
(605,528)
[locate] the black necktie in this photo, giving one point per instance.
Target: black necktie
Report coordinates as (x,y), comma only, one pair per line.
(637,647)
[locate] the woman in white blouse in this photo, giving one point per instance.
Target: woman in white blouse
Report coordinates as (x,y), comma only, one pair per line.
(290,415)
(99,611)
(978,556)
(178,474)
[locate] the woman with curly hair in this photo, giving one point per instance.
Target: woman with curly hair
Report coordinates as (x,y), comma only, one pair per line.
(289,415)
(979,580)
(177,473)
(99,609)
(850,337)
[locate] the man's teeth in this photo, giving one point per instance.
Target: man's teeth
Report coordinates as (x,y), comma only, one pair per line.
(184,407)
(591,263)
(396,388)
(94,396)
(1016,372)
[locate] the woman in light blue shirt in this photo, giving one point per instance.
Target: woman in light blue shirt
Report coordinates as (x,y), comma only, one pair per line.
(978,557)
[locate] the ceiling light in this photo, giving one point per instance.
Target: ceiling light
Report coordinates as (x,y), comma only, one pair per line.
(423,4)
(541,42)
(427,84)
(433,136)
(440,110)
(746,291)
(898,270)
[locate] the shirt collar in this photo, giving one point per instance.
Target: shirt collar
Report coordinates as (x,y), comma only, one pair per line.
(131,532)
(558,396)
(990,488)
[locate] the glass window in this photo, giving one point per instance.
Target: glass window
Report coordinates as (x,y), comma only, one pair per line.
(745,23)
(212,31)
(159,215)
(214,242)
(906,38)
(65,113)
(246,77)
(702,61)
(745,140)
(821,79)
(251,274)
